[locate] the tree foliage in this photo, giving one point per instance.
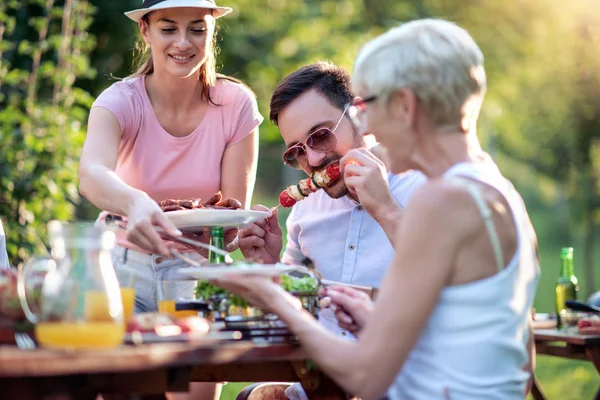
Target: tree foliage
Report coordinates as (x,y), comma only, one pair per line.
(542,108)
(42,115)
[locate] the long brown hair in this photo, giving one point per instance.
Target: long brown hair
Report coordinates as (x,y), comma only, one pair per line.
(144,65)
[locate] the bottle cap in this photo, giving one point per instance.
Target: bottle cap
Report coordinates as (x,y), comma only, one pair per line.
(216,230)
(566,252)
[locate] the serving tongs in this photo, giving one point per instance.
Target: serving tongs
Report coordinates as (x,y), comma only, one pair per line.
(306,268)
(119,222)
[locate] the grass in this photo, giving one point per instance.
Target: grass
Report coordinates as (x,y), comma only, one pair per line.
(566,379)
(231,389)
(559,378)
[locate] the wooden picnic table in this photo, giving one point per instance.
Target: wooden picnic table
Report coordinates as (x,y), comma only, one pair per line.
(566,344)
(151,370)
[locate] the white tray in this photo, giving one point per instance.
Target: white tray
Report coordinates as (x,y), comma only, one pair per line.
(216,272)
(195,220)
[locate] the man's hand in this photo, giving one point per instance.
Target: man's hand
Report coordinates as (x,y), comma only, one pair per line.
(352,307)
(366,178)
(262,239)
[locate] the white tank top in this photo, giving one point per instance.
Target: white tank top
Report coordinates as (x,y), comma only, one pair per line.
(474,343)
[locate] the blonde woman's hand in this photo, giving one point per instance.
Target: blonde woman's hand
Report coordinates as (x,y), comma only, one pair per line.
(352,307)
(262,292)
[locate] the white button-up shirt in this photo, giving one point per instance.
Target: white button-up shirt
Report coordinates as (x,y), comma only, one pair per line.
(346,244)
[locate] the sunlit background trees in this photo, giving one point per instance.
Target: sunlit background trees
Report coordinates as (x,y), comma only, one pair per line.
(541,118)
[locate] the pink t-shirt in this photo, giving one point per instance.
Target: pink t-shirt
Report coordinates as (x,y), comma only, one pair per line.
(164,166)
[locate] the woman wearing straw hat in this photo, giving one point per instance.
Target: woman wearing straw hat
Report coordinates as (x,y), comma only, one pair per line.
(173,129)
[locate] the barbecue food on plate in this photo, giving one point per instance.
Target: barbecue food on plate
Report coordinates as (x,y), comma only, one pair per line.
(215,202)
(164,325)
(221,300)
(589,326)
(316,181)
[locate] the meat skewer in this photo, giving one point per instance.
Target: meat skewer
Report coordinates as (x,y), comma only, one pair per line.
(305,187)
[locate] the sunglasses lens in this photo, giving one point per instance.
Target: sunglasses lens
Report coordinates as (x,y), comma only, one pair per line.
(322,140)
(292,157)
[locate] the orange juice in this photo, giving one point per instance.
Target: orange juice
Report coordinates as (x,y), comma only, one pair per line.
(79,335)
(128,298)
(168,307)
(98,307)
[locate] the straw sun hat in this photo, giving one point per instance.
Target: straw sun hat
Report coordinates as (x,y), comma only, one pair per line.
(153,5)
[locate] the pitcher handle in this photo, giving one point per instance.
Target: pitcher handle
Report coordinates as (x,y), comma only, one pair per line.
(31,312)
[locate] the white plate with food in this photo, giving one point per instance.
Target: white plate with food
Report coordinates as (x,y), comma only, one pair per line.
(209,272)
(195,220)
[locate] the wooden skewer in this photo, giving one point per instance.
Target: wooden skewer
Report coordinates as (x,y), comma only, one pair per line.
(188,260)
(272,211)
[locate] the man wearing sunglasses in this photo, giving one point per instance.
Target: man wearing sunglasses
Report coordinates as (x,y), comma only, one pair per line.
(346,228)
(320,121)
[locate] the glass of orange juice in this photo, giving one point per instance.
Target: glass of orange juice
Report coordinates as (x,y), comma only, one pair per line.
(128,299)
(167,299)
(127,282)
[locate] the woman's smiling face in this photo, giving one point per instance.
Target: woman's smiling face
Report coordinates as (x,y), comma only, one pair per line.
(180,39)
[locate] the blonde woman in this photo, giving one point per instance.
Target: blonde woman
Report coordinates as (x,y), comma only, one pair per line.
(451,318)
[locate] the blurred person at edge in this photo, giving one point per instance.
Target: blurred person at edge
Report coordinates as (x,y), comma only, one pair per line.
(174,129)
(452,317)
(346,229)
(4,263)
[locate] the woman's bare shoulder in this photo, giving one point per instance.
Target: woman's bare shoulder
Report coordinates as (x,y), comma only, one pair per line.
(446,205)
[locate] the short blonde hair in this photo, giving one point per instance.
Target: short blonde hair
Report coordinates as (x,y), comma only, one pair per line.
(437,60)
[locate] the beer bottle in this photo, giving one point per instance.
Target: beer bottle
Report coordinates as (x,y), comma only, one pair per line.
(566,285)
(217,240)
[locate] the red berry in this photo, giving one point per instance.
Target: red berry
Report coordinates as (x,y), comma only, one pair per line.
(286,200)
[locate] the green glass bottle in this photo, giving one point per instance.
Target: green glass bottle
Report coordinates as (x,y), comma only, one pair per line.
(566,285)
(217,240)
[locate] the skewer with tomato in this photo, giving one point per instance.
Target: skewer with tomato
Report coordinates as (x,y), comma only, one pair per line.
(305,187)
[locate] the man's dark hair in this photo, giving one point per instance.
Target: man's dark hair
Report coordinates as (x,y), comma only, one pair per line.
(330,81)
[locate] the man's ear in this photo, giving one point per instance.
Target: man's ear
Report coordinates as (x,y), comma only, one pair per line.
(402,105)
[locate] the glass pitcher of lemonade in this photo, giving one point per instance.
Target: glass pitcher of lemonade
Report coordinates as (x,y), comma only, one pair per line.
(80,303)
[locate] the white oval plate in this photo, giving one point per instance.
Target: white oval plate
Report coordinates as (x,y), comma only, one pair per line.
(216,272)
(195,220)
